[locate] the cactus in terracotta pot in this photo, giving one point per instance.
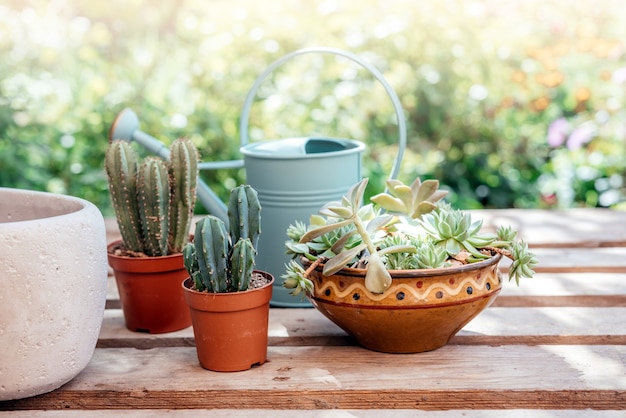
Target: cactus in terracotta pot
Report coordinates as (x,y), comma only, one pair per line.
(154,199)
(220,260)
(228,299)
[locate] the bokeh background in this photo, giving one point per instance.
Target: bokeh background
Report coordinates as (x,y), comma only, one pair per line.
(508,103)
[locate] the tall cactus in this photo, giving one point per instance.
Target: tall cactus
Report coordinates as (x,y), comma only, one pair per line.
(222,262)
(154,201)
(183,172)
(121,166)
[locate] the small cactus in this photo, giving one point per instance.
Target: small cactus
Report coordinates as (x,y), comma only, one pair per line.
(153,201)
(219,261)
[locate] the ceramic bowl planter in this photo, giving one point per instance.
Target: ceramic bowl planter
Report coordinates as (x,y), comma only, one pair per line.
(230,329)
(421,311)
(54,277)
(404,273)
(150,293)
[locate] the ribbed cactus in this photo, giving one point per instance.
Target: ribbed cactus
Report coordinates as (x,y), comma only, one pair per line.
(244,214)
(153,190)
(213,261)
(211,250)
(242,264)
(153,201)
(183,172)
(121,165)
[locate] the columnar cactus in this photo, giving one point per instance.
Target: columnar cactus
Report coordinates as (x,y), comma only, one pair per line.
(153,190)
(153,201)
(219,261)
(183,173)
(121,165)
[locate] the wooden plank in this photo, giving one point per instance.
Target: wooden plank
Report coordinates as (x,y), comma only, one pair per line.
(567,284)
(567,260)
(453,377)
(269,413)
(581,227)
(566,289)
(503,326)
(577,260)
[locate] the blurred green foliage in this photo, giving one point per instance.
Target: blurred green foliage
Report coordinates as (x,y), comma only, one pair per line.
(482,84)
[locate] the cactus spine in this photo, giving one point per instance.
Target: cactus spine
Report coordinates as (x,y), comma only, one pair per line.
(153,201)
(213,261)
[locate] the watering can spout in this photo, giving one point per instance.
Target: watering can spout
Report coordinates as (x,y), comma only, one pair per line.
(126,127)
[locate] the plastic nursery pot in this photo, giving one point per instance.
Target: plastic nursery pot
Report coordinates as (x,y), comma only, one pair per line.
(53,275)
(150,293)
(421,310)
(230,329)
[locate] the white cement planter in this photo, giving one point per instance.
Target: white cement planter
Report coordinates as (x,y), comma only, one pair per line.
(53,276)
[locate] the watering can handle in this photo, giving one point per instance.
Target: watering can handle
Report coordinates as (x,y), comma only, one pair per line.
(245,114)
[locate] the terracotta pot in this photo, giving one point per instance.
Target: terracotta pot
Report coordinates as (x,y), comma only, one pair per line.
(421,311)
(150,293)
(53,280)
(230,329)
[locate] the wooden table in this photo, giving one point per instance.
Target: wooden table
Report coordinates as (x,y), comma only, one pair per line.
(557,343)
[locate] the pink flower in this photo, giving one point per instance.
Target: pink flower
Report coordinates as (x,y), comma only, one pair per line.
(557,132)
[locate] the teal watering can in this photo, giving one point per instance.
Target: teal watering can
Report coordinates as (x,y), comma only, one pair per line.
(281,171)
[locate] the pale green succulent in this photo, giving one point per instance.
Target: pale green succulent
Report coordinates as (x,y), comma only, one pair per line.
(408,227)
(455,232)
(523,261)
(413,201)
(431,256)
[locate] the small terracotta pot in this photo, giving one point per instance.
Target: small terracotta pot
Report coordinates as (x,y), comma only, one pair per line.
(421,310)
(150,293)
(230,329)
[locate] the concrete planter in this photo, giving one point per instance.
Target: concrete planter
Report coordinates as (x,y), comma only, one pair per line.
(53,277)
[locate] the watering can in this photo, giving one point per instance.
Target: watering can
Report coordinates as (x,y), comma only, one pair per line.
(294,177)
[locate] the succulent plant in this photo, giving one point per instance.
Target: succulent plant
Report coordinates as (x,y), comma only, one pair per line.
(154,200)
(408,227)
(220,260)
(454,231)
(413,201)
